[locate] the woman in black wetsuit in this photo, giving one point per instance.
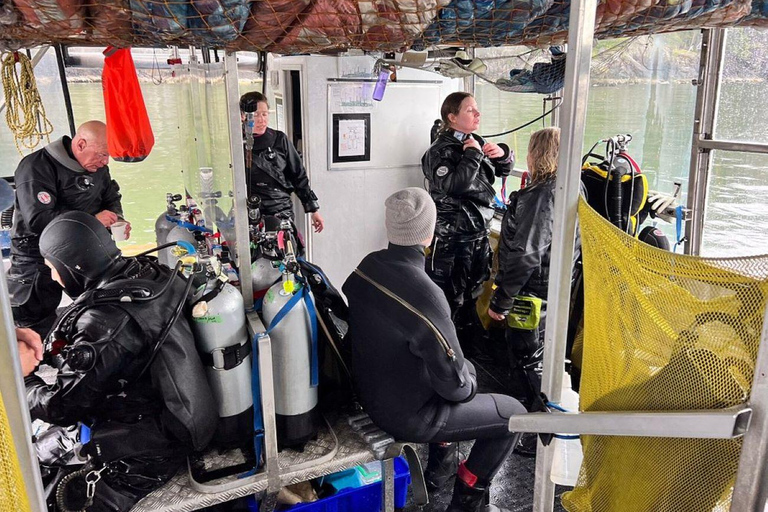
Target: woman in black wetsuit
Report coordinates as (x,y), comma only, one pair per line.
(273,166)
(460,169)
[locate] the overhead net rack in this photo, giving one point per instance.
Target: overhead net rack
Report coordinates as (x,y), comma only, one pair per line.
(322,26)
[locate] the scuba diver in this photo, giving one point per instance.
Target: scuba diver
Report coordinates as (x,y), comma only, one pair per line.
(128,368)
(522,279)
(408,367)
(67,174)
(459,168)
(273,166)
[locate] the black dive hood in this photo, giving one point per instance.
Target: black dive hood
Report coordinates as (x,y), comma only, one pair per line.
(81,250)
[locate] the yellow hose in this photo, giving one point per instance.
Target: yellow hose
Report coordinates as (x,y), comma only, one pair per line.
(25,113)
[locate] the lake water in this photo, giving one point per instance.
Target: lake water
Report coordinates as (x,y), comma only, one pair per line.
(659,117)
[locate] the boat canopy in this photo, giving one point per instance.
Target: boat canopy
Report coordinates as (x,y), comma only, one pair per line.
(333,26)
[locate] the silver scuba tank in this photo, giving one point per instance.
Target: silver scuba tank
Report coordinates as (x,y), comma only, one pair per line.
(218,323)
(163,226)
(263,276)
(297,414)
(177,234)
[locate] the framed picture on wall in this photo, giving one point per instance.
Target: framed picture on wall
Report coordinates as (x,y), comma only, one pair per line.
(351,138)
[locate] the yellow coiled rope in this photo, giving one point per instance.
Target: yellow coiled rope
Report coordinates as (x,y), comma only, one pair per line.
(25,113)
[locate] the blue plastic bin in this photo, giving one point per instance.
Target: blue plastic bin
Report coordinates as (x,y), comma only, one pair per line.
(362,499)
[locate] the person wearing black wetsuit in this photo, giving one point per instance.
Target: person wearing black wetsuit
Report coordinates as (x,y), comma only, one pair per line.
(460,169)
(130,370)
(66,175)
(273,166)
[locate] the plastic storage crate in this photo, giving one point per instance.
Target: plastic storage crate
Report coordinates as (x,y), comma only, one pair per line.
(362,499)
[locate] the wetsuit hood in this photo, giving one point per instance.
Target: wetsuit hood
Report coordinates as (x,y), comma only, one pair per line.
(81,250)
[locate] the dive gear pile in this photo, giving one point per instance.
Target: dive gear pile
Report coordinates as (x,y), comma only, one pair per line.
(615,186)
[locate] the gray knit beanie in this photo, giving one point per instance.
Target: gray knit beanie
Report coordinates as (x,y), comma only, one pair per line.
(410,216)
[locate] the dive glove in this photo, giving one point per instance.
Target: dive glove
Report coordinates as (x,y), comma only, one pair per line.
(660,203)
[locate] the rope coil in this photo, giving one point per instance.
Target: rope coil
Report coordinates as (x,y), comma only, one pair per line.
(25,113)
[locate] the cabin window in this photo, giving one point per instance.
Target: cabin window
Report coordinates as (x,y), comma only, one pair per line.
(736,218)
(742,111)
(641,86)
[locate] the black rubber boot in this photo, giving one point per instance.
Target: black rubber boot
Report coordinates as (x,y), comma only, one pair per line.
(527,445)
(471,499)
(442,465)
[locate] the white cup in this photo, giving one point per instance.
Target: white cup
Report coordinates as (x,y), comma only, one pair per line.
(118,231)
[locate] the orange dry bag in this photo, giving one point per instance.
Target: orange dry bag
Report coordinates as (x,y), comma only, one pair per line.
(129,134)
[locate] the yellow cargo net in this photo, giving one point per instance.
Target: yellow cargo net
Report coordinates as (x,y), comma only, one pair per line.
(12,494)
(662,331)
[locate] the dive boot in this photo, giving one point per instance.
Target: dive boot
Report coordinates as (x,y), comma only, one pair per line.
(527,445)
(471,499)
(442,464)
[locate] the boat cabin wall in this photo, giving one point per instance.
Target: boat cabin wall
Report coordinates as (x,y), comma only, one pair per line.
(352,188)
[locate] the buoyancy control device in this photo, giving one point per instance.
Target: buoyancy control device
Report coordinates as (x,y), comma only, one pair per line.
(289,312)
(615,186)
(218,323)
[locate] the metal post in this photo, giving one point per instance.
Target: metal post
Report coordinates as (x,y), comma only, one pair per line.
(15,403)
(751,490)
(734,145)
(65,88)
(266,381)
(572,121)
(555,115)
(699,424)
(708,82)
(264,71)
(243,239)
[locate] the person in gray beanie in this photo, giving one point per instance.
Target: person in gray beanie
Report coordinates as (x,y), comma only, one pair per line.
(410,217)
(409,371)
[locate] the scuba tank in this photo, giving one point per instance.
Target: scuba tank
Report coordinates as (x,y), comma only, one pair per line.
(615,186)
(297,414)
(263,273)
(296,398)
(177,234)
(163,226)
(218,323)
(193,232)
(263,276)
